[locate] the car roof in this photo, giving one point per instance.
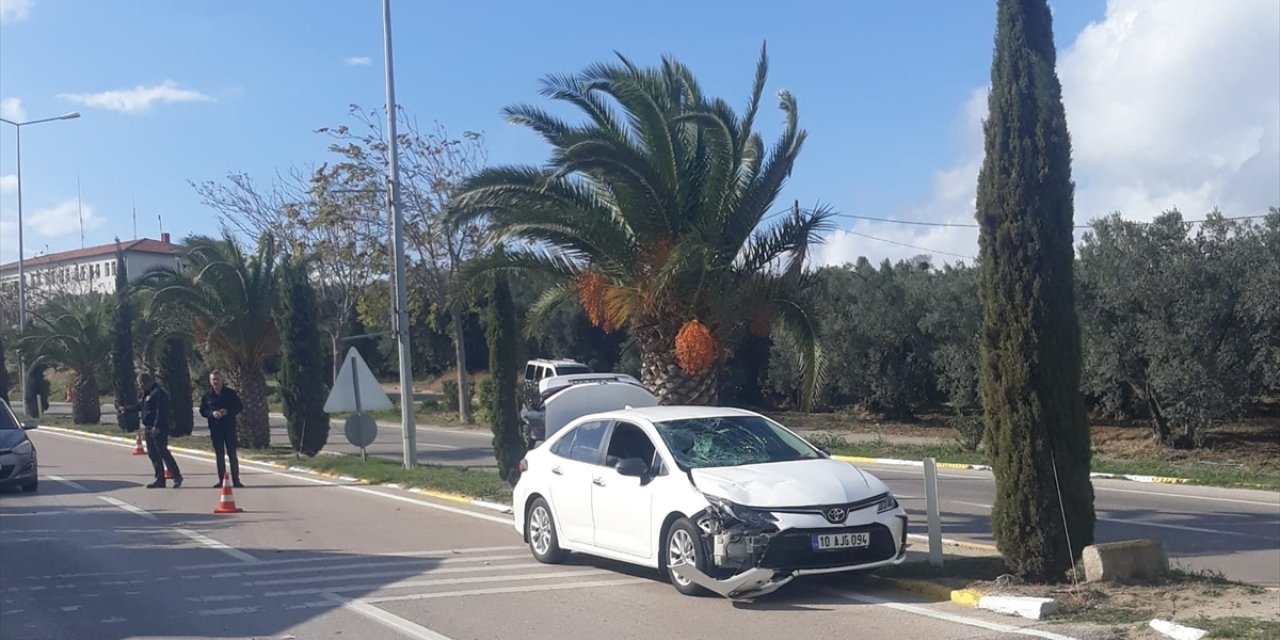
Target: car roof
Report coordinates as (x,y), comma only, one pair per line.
(673,412)
(555,362)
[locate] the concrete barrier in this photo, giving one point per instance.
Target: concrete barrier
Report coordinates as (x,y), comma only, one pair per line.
(1129,560)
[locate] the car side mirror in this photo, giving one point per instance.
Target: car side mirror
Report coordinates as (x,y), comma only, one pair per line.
(823,448)
(632,467)
(29,423)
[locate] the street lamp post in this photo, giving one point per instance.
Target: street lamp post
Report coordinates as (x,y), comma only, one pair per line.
(22,272)
(407,426)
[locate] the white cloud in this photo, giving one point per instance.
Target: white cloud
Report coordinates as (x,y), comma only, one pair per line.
(62,219)
(14,10)
(138,99)
(9,183)
(11,109)
(1171,103)
(359,61)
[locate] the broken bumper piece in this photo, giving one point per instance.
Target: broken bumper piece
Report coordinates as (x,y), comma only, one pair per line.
(751,583)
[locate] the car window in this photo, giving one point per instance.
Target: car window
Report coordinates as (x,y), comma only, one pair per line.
(530,372)
(7,420)
(629,441)
(564,445)
(588,441)
(571,369)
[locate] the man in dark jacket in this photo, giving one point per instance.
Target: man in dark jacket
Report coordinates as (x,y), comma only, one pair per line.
(221,405)
(154,409)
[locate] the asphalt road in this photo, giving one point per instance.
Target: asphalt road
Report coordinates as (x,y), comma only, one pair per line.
(95,555)
(1232,531)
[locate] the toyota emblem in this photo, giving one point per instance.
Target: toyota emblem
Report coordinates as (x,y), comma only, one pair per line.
(836,515)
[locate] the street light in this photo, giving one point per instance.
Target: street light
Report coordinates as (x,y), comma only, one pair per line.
(22,272)
(401,325)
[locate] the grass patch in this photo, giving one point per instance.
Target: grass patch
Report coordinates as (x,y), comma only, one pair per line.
(1195,474)
(476,483)
(1237,627)
(1104,614)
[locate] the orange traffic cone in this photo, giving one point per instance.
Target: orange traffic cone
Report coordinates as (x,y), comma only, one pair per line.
(227,502)
(137,448)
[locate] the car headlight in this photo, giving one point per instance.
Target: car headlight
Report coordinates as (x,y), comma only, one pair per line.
(888,503)
(23,448)
(735,511)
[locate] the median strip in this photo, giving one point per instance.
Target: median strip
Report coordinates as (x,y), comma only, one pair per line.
(984,467)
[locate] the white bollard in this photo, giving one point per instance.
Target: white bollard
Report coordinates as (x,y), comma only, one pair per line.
(935,519)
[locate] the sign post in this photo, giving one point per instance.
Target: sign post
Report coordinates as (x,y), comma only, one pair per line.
(357,390)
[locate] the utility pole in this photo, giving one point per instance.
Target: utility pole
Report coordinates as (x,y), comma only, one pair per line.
(401,302)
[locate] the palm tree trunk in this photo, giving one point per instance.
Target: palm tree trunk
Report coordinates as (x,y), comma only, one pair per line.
(660,372)
(85,406)
(253,428)
(460,353)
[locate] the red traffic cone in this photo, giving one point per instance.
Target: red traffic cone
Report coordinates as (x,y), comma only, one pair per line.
(168,475)
(227,502)
(137,448)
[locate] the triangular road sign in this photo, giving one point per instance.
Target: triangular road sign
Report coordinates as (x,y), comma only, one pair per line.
(356,382)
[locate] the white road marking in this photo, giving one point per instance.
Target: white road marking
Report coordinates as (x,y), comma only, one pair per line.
(947,617)
(501,590)
(443,553)
(1144,523)
(364,565)
(398,574)
(414,584)
(1189,497)
(266,469)
(411,629)
(214,544)
(128,507)
(230,611)
(70,483)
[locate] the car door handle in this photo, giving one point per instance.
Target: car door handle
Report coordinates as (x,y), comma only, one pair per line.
(557,471)
(597,481)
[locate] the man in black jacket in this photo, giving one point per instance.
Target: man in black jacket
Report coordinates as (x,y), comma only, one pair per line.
(154,409)
(221,405)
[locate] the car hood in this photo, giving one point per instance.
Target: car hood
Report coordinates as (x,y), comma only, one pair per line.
(799,483)
(9,438)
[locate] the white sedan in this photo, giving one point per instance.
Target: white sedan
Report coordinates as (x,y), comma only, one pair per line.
(719,499)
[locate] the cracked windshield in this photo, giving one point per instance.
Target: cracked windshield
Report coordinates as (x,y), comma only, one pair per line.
(728,441)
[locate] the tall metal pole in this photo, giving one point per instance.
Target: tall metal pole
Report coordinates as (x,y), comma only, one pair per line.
(401,305)
(22,274)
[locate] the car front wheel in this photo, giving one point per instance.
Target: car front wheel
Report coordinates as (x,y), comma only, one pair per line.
(683,546)
(540,528)
(31,486)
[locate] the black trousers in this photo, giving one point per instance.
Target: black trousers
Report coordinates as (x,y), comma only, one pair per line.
(158,451)
(224,442)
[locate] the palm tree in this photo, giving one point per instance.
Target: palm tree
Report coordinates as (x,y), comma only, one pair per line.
(76,334)
(653,215)
(226,300)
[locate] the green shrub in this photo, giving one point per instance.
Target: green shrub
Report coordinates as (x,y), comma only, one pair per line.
(488,394)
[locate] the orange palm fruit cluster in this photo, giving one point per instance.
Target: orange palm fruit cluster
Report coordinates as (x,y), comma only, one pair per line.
(696,348)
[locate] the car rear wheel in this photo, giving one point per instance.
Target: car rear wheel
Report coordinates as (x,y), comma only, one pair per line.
(540,528)
(683,546)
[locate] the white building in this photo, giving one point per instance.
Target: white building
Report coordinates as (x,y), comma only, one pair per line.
(92,269)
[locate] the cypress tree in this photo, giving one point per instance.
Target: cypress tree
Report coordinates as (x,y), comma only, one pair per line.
(1030,364)
(304,372)
(504,367)
(175,377)
(122,375)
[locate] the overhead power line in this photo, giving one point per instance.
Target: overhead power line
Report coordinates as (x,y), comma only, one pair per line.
(909,246)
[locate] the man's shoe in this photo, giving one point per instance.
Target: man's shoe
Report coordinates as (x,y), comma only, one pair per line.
(177,482)
(217,485)
(158,484)
(237,485)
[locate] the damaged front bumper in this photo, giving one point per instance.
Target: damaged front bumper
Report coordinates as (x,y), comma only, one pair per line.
(746,560)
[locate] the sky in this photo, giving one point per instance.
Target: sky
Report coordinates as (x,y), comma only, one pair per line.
(1170,103)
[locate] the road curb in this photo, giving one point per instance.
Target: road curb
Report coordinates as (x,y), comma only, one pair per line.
(441,495)
(984,467)
(929,589)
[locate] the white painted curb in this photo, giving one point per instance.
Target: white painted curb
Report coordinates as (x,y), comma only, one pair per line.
(1177,631)
(1030,608)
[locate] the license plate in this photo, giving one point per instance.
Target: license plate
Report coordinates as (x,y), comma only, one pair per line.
(827,541)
